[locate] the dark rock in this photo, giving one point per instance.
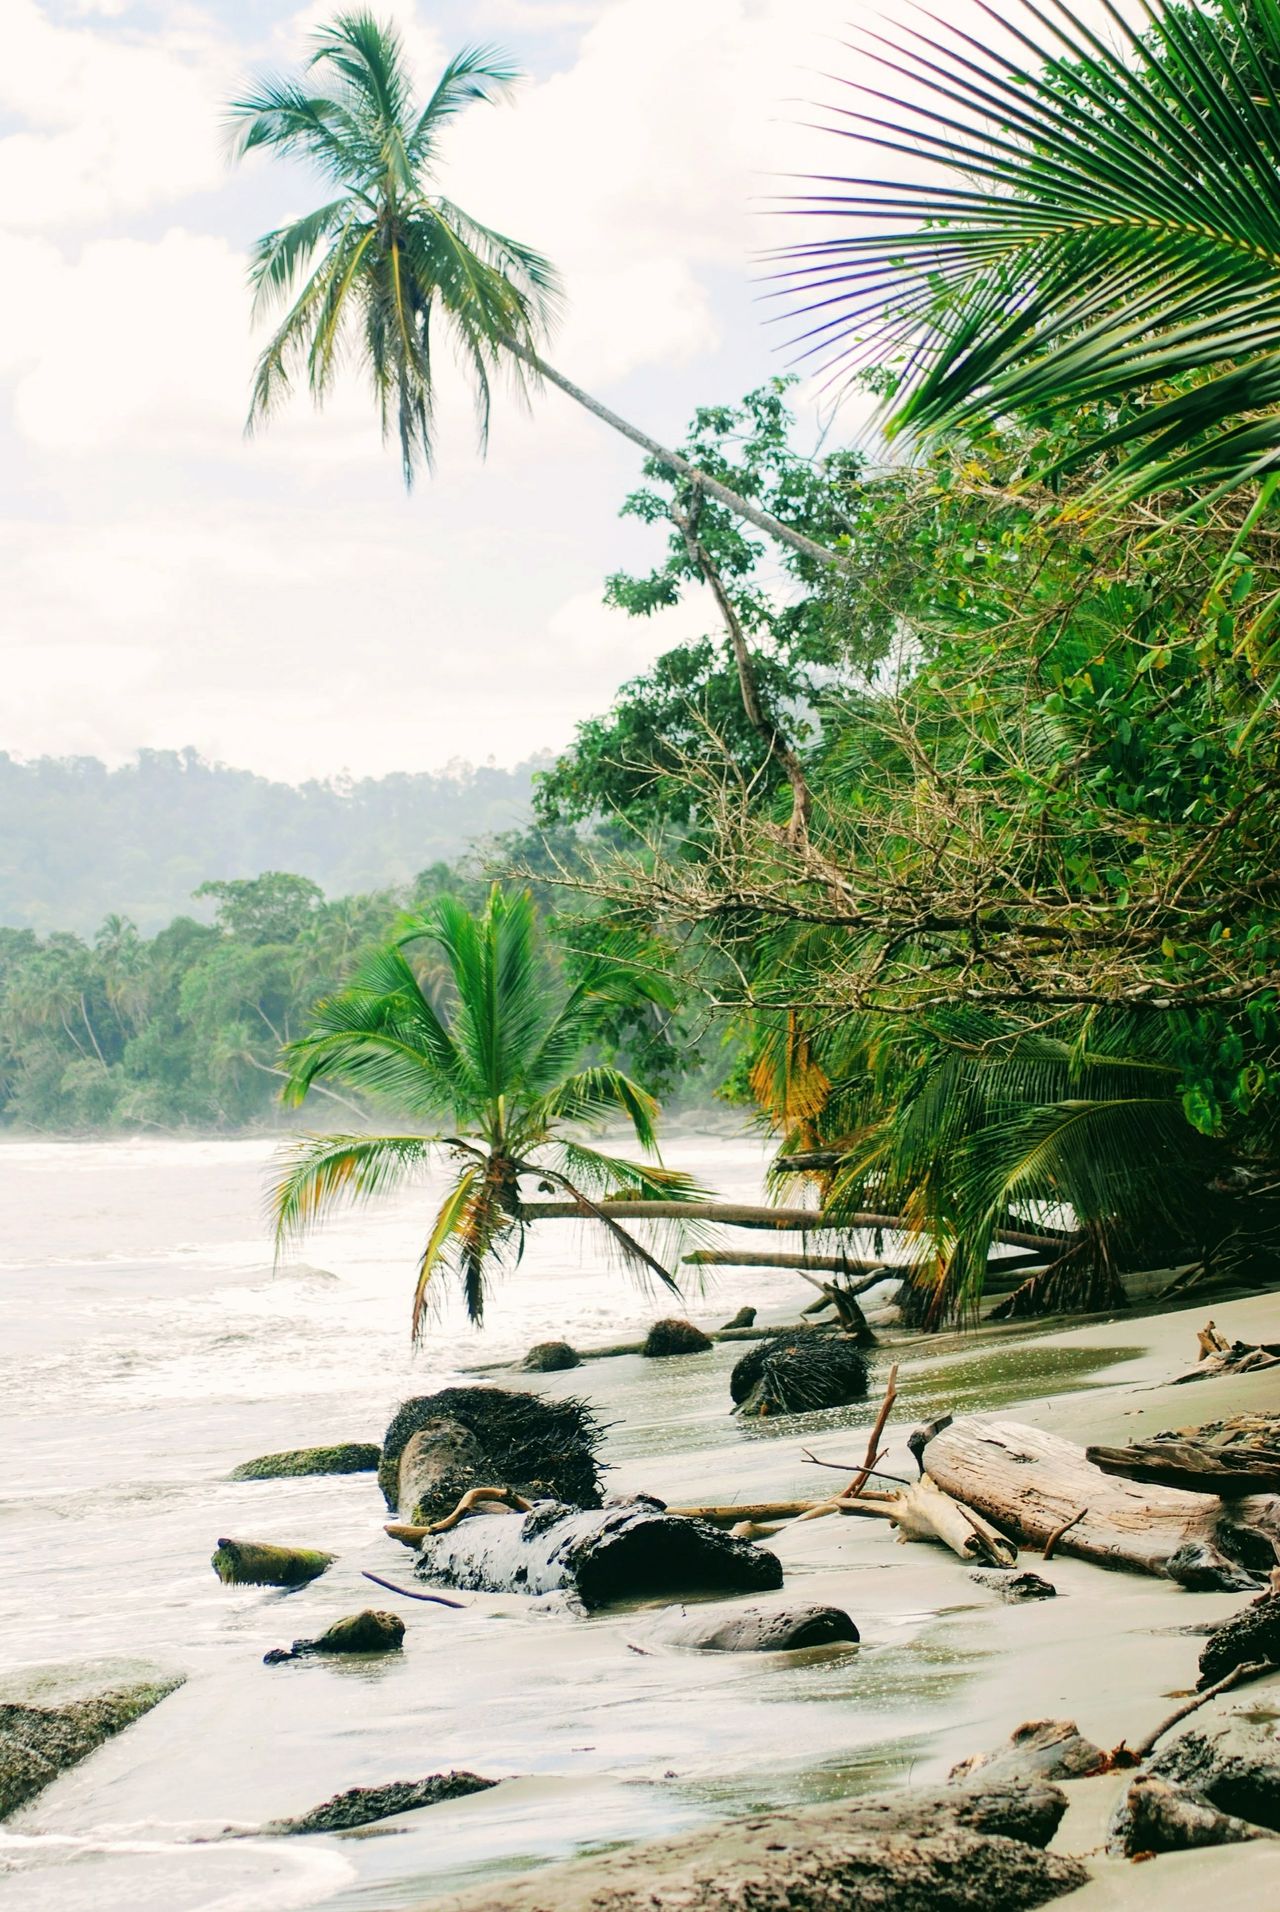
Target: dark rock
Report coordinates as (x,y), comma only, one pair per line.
(363,1805)
(797,1373)
(42,1735)
(351,1457)
(745,1318)
(762,1630)
(1040,1749)
(1156,1817)
(367,1632)
(1235,1767)
(536,1446)
(629,1552)
(1014,1587)
(551,1357)
(257,1563)
(953,1851)
(674,1336)
(1253,1634)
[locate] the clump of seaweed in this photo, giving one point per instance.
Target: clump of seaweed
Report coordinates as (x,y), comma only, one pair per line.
(799,1373)
(545,1449)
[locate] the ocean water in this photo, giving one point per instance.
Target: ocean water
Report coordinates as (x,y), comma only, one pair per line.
(147,1344)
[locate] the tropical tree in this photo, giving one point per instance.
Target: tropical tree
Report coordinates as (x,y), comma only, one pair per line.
(1098,232)
(387,260)
(488,1073)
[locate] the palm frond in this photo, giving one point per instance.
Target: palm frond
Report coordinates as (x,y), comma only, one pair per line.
(323,1171)
(1047,260)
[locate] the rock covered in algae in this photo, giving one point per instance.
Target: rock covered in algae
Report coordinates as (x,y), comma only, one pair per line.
(371,1631)
(348,1457)
(673,1335)
(56,1723)
(538,1447)
(257,1563)
(745,1318)
(362,1805)
(798,1373)
(551,1357)
(1234,1766)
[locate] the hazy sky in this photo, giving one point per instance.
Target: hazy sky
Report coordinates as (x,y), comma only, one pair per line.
(281,603)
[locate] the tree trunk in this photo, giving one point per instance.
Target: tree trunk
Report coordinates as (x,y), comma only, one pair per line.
(636,1551)
(750,1215)
(776,743)
(1033,1484)
(762,520)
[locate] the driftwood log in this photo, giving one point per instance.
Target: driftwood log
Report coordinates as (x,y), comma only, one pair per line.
(1034,1485)
(1199,1467)
(629,1552)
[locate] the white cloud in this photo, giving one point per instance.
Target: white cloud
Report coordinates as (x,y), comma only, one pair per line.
(110,123)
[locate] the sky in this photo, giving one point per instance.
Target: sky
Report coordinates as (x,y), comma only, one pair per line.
(279,602)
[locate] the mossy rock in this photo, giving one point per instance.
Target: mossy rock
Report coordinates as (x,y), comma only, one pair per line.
(674,1336)
(257,1563)
(551,1357)
(371,1631)
(37,1742)
(745,1318)
(545,1449)
(363,1805)
(349,1457)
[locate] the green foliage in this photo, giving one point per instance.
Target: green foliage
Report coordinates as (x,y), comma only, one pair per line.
(629,763)
(1095,240)
(479,1046)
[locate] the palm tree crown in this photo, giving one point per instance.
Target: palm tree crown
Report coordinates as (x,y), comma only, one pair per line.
(364,275)
(388,255)
(489,1046)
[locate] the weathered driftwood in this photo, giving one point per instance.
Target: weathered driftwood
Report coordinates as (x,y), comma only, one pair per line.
(1235,1765)
(1199,1467)
(1220,1356)
(1032,1485)
(924,1512)
(633,1551)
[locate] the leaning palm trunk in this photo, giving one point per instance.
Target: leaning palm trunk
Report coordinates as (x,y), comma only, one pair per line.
(702,480)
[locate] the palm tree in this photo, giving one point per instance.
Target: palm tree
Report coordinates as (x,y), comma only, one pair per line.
(365,274)
(493,1058)
(1101,229)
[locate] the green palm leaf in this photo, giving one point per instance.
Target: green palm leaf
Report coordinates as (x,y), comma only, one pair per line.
(1050,260)
(323,1171)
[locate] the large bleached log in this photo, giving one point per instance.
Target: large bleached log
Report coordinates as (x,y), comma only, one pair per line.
(1032,1484)
(598,1555)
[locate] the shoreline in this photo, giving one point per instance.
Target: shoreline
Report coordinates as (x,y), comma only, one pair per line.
(1109,1652)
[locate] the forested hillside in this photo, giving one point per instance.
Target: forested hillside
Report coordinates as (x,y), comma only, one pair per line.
(79,841)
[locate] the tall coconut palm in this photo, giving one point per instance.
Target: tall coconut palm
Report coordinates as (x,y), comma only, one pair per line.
(1100,230)
(487,1076)
(367,274)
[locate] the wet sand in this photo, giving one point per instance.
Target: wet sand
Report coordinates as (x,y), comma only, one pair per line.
(1110,1652)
